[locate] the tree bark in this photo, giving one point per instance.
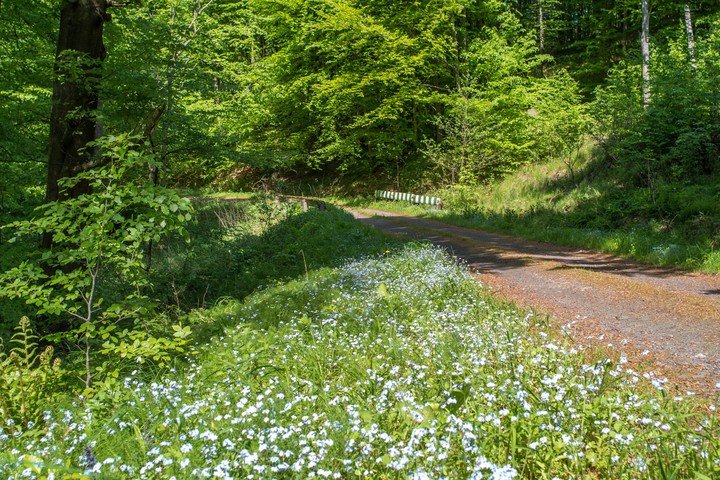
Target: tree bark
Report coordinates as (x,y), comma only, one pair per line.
(73,123)
(541,23)
(690,38)
(645,48)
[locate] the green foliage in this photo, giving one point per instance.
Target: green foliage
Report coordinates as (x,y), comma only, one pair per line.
(95,271)
(123,351)
(11,254)
(27,46)
(561,121)
(29,380)
(107,229)
(502,115)
(677,138)
(367,87)
(354,79)
(239,246)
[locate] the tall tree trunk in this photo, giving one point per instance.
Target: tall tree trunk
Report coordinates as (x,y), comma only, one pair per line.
(690,38)
(541,23)
(73,123)
(541,35)
(645,48)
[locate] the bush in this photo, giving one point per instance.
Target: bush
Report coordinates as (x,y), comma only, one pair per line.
(95,273)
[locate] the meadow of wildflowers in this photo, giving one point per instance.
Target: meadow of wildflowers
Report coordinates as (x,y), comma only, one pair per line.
(398,366)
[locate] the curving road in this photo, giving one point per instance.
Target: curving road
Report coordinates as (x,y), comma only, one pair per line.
(663,320)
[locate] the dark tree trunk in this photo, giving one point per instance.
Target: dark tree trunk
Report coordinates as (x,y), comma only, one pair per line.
(73,123)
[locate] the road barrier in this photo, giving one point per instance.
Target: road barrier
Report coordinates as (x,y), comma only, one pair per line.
(408,197)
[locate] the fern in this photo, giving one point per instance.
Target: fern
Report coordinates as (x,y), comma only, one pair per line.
(28,380)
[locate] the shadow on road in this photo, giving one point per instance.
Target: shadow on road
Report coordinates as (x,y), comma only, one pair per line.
(492,252)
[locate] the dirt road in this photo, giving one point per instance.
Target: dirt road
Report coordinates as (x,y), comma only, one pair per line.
(663,320)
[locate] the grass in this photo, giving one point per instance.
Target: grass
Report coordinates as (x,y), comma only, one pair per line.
(676,225)
(236,247)
(396,364)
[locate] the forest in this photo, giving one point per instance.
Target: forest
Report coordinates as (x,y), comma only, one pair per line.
(593,123)
(427,93)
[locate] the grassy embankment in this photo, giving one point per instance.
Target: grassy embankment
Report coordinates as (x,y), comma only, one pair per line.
(670,224)
(392,363)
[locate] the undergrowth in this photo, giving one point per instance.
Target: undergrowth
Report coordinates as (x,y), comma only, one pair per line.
(395,366)
(393,363)
(28,379)
(238,246)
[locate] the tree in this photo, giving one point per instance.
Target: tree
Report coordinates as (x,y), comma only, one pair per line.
(73,123)
(102,236)
(645,48)
(190,59)
(28,35)
(503,115)
(690,37)
(341,91)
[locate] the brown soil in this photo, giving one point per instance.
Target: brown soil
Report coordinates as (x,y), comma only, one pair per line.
(665,321)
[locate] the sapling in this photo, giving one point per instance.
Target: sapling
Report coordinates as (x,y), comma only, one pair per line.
(94,275)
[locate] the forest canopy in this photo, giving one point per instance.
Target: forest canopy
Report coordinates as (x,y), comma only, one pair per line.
(406,93)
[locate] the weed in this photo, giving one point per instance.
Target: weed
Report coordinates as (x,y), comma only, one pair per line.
(28,380)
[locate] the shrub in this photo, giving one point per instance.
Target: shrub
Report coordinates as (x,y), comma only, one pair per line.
(95,272)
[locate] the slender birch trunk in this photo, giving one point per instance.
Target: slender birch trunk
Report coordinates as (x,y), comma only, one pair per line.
(645,48)
(690,38)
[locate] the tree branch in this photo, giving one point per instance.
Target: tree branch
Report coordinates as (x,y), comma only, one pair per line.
(152,123)
(97,162)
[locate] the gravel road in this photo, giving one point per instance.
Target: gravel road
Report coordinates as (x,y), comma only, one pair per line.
(662,320)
